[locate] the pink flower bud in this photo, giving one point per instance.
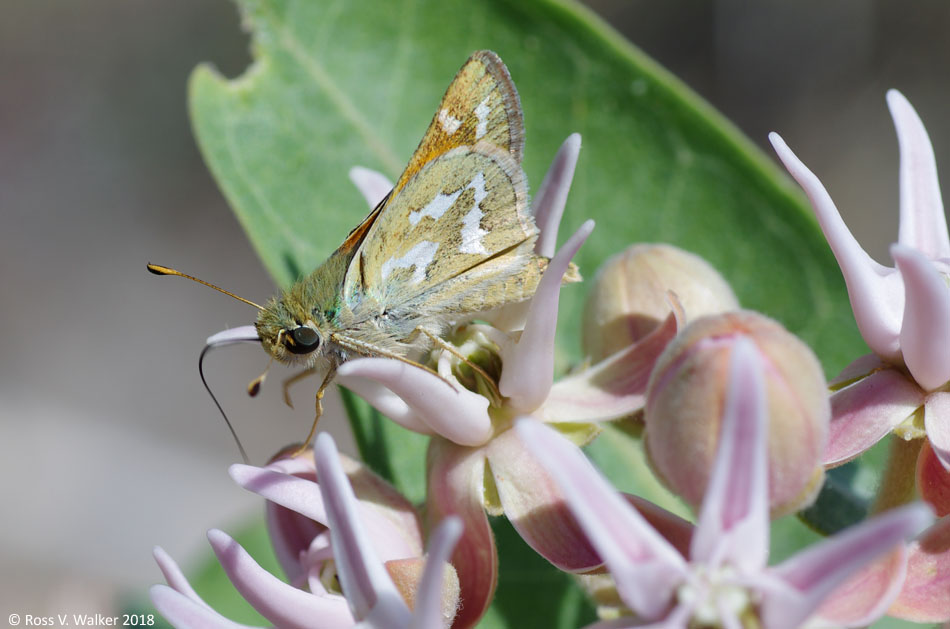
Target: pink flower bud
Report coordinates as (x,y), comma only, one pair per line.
(629,297)
(407,576)
(685,402)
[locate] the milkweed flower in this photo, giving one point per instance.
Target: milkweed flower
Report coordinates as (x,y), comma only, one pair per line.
(475,462)
(903,312)
(724,579)
(375,559)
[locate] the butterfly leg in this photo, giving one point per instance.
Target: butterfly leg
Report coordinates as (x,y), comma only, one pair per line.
(292,380)
(454,351)
(319,405)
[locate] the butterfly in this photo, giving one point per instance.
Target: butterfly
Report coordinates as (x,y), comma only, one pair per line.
(453,238)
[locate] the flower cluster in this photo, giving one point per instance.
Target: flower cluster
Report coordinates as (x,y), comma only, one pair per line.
(734,415)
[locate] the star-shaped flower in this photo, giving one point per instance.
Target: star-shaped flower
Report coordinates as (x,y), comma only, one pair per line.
(903,312)
(724,579)
(351,542)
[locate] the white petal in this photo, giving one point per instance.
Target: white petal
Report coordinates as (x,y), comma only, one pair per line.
(923,225)
(734,517)
(551,198)
(925,332)
(362,576)
(877,304)
(528,371)
(372,185)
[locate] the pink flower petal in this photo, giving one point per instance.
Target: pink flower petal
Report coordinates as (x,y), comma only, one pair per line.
(296,494)
(937,425)
(821,568)
(386,402)
(922,225)
(372,185)
(734,517)
(535,505)
(877,304)
(291,535)
(859,368)
(181,611)
(925,333)
(427,613)
(452,411)
(240,334)
(925,596)
(864,412)
(646,568)
(674,529)
(529,367)
(362,576)
(456,477)
(933,480)
(174,576)
(278,602)
(294,509)
(865,597)
(385,507)
(551,198)
(613,388)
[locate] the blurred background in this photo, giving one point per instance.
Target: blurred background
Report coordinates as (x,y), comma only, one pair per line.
(107,434)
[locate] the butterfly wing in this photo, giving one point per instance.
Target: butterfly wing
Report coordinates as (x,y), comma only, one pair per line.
(481,104)
(458,213)
(461,222)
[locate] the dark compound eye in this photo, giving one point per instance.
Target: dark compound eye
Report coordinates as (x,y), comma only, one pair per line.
(303,340)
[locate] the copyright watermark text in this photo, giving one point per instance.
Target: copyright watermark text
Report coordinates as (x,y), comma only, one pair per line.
(81,620)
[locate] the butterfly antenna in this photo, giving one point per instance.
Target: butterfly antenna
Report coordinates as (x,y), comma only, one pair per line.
(216,403)
(158,269)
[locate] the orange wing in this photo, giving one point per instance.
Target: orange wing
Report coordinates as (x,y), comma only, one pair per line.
(480,105)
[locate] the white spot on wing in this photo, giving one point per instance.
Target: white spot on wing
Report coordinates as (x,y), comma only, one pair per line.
(435,208)
(449,122)
(482,112)
(472,232)
(418,258)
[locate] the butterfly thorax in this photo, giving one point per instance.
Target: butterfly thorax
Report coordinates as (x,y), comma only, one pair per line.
(314,321)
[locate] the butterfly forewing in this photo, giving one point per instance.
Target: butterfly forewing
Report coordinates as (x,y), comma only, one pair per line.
(481,105)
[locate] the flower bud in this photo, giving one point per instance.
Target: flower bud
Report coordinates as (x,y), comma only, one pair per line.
(407,576)
(629,295)
(686,398)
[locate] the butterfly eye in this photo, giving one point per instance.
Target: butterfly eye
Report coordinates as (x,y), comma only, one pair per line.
(303,340)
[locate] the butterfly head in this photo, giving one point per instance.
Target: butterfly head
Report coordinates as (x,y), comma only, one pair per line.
(288,335)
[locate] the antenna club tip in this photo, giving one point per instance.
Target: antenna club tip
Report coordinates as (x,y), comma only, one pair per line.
(254,387)
(157,269)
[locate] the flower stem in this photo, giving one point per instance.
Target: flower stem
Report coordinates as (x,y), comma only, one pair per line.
(898,484)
